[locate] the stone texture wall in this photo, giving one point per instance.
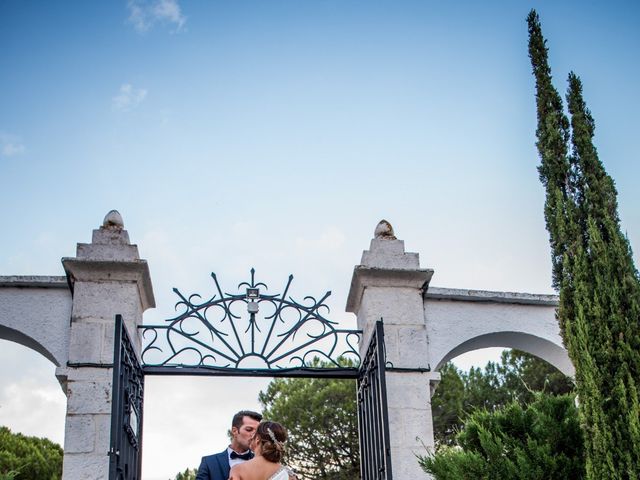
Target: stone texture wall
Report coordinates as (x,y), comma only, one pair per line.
(35,312)
(107,278)
(459,321)
(389,285)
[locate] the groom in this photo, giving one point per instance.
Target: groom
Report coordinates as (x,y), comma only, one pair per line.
(243,427)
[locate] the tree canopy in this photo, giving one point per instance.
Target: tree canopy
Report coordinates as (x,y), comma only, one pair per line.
(320,416)
(188,474)
(322,420)
(534,441)
(516,377)
(29,458)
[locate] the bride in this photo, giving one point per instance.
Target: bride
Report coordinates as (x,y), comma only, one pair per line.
(268,447)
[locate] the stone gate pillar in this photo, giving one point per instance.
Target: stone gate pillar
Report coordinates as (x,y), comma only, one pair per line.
(107,277)
(389,285)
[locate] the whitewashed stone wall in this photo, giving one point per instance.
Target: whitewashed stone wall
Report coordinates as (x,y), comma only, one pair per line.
(389,284)
(35,312)
(460,321)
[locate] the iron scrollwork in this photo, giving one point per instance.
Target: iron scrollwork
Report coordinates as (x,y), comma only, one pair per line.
(252,333)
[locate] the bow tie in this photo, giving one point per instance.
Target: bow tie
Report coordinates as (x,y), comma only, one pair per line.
(242,456)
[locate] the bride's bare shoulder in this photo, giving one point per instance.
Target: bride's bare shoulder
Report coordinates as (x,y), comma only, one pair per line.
(236,472)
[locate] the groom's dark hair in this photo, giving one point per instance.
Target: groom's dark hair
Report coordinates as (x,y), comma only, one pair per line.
(237,418)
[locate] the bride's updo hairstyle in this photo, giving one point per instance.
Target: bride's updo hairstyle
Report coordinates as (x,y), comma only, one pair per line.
(272,436)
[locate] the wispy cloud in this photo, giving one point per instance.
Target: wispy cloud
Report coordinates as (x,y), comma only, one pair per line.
(144,14)
(11,145)
(128,98)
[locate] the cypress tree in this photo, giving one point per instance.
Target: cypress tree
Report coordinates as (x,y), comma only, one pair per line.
(599,310)
(541,440)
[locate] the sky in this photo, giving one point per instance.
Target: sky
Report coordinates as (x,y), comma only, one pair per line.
(276,134)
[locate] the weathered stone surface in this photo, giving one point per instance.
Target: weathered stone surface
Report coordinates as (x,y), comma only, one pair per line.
(103,432)
(108,278)
(86,343)
(408,390)
(35,312)
(389,253)
(413,346)
(79,434)
(85,466)
(389,286)
(459,321)
(89,396)
(405,465)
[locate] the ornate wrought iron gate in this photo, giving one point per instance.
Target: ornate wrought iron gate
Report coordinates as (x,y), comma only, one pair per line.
(280,338)
(373,419)
(125,451)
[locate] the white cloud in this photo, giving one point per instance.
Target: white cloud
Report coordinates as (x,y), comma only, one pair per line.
(11,145)
(128,98)
(144,14)
(31,400)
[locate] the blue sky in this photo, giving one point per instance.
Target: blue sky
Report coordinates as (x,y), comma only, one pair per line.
(276,134)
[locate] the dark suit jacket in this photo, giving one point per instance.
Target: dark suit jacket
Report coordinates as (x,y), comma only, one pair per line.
(214,467)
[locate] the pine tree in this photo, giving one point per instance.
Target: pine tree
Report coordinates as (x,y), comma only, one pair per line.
(321,418)
(599,310)
(518,377)
(28,458)
(541,440)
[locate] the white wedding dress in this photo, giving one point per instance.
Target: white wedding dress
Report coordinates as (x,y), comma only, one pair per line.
(281,474)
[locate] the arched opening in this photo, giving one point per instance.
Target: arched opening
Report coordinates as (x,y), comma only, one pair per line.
(491,377)
(31,400)
(537,346)
(21,338)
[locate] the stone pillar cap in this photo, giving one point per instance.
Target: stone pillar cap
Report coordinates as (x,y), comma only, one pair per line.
(364,276)
(386,251)
(113,221)
(386,264)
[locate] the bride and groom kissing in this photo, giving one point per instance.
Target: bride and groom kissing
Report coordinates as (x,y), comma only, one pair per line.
(255,452)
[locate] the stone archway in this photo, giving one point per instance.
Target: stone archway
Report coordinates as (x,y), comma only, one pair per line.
(463,320)
(537,346)
(35,312)
(70,320)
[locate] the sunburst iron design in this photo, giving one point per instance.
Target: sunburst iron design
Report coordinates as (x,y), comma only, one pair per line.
(250,333)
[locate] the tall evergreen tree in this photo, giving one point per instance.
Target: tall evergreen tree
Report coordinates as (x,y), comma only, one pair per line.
(599,310)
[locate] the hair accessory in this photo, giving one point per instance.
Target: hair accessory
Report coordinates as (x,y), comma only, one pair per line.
(279,445)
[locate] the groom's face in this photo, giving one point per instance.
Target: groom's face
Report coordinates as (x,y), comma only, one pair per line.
(242,436)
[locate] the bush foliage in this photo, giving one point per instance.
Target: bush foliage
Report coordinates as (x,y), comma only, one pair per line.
(538,441)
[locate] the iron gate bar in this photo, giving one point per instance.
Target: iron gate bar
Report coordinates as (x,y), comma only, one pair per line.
(206,337)
(406,369)
(373,420)
(125,450)
(332,372)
